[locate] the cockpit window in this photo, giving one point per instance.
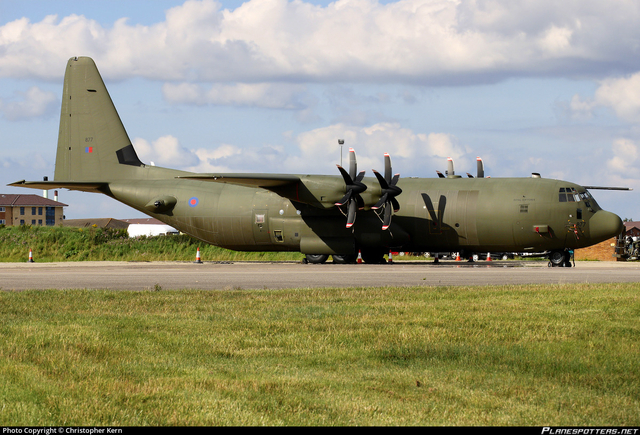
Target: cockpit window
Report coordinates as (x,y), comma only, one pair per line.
(591,201)
(568,194)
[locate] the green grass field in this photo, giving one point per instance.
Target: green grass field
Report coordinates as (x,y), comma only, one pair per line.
(512,355)
(50,244)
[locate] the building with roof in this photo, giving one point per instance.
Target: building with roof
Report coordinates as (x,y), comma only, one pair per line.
(632,229)
(30,210)
(96,223)
(135,227)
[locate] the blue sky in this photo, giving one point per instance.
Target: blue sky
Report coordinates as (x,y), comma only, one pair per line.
(270,85)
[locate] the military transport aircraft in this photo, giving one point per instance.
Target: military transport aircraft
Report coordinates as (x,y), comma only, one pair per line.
(320,215)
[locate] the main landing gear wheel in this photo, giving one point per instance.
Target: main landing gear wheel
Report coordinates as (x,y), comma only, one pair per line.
(344,259)
(560,259)
(316,258)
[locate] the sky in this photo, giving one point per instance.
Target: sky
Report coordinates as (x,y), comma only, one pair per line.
(271,85)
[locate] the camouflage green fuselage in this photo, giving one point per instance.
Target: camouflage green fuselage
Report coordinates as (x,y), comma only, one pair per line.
(471,215)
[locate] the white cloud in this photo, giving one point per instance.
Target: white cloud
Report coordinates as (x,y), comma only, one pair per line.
(556,40)
(624,163)
(424,41)
(580,108)
(318,152)
(267,95)
(622,95)
(31,104)
(208,159)
(165,151)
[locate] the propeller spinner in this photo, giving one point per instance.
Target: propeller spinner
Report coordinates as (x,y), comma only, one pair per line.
(389,190)
(354,188)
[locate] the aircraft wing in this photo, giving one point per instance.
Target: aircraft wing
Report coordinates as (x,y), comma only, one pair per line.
(83,186)
(316,190)
(265,181)
(606,188)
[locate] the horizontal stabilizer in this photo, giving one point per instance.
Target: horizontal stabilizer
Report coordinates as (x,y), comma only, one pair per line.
(83,186)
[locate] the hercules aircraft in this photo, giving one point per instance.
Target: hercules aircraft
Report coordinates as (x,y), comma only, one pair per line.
(320,215)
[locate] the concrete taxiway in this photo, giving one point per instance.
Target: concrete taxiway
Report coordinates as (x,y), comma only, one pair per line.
(226,276)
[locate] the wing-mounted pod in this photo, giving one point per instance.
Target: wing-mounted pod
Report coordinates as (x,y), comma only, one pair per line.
(354,187)
(389,190)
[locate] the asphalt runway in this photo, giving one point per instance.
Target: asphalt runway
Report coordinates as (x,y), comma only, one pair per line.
(228,276)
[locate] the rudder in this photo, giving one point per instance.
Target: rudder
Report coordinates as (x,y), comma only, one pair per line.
(93,144)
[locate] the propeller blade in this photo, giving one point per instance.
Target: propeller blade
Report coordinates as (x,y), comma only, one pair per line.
(345,176)
(387,218)
(353,164)
(381,180)
(431,209)
(450,171)
(351,216)
(345,198)
(387,167)
(389,191)
(381,202)
(440,174)
(480,164)
(395,204)
(442,202)
(354,186)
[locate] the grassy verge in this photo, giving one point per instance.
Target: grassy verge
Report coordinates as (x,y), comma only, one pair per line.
(510,355)
(96,244)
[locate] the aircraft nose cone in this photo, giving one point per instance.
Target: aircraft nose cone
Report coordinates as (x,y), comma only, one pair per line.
(604,225)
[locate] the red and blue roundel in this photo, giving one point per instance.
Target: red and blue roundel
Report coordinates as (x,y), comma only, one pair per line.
(193,201)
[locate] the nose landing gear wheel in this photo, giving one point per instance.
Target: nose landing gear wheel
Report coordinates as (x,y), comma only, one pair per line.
(560,259)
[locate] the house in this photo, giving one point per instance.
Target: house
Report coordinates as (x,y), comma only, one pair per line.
(632,229)
(30,210)
(97,223)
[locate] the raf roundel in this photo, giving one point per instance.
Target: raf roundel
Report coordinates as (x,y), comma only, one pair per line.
(193,202)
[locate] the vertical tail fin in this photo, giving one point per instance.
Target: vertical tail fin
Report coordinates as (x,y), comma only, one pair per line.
(92,142)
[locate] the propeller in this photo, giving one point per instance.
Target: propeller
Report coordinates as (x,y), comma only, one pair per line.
(436,214)
(354,188)
(480,170)
(390,190)
(450,171)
